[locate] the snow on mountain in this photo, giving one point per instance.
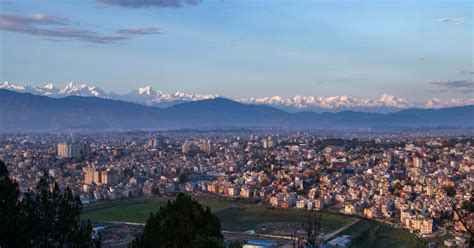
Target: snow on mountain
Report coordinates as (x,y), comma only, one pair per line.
(332,102)
(143,95)
(51,91)
(10,86)
(149,96)
(459,102)
(387,100)
(148,90)
(146,95)
(22,88)
(437,103)
(193,97)
(49,86)
(82,90)
(433,103)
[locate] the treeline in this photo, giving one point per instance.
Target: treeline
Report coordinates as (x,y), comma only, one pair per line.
(44,217)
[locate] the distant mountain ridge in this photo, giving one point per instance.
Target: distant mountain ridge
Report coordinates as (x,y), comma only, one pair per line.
(25,111)
(151,97)
(146,95)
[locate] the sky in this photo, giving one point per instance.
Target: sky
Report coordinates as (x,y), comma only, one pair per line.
(241,48)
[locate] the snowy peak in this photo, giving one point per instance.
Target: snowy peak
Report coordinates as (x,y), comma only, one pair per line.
(392,101)
(9,86)
(332,102)
(49,86)
(437,103)
(145,90)
(149,96)
(193,97)
(71,87)
(82,90)
(96,91)
(386,97)
(433,103)
(49,90)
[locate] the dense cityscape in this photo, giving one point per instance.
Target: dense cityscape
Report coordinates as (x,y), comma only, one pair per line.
(398,179)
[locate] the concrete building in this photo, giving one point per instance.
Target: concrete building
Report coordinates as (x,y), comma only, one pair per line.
(92,175)
(187,147)
(267,143)
(256,243)
(71,150)
(109,177)
(206,147)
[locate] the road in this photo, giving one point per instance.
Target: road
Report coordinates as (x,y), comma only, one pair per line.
(243,234)
(335,233)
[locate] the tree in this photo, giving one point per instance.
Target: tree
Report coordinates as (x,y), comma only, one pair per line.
(183,176)
(312,227)
(53,217)
(451,193)
(234,244)
(295,239)
(9,221)
(181,223)
(208,242)
(45,217)
(468,205)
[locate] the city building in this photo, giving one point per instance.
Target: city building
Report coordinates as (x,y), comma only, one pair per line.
(109,177)
(72,150)
(206,147)
(92,175)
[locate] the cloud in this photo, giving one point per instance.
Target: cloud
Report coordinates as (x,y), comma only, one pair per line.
(151,3)
(456,21)
(348,79)
(37,18)
(467,72)
(35,25)
(139,31)
(458,85)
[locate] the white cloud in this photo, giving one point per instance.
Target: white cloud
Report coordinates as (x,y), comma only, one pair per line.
(456,21)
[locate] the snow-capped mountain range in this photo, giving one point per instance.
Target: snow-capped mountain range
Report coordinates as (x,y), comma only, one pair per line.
(333,102)
(149,96)
(146,95)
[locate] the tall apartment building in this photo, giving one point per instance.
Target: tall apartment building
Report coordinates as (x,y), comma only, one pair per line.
(91,175)
(417,162)
(94,175)
(206,147)
(97,176)
(155,143)
(109,177)
(267,143)
(71,150)
(187,147)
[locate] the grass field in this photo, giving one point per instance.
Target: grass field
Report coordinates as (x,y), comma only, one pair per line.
(233,214)
(240,216)
(368,233)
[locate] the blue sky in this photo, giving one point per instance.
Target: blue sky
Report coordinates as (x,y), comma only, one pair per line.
(412,49)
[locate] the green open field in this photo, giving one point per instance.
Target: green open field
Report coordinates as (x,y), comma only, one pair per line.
(233,214)
(367,233)
(237,215)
